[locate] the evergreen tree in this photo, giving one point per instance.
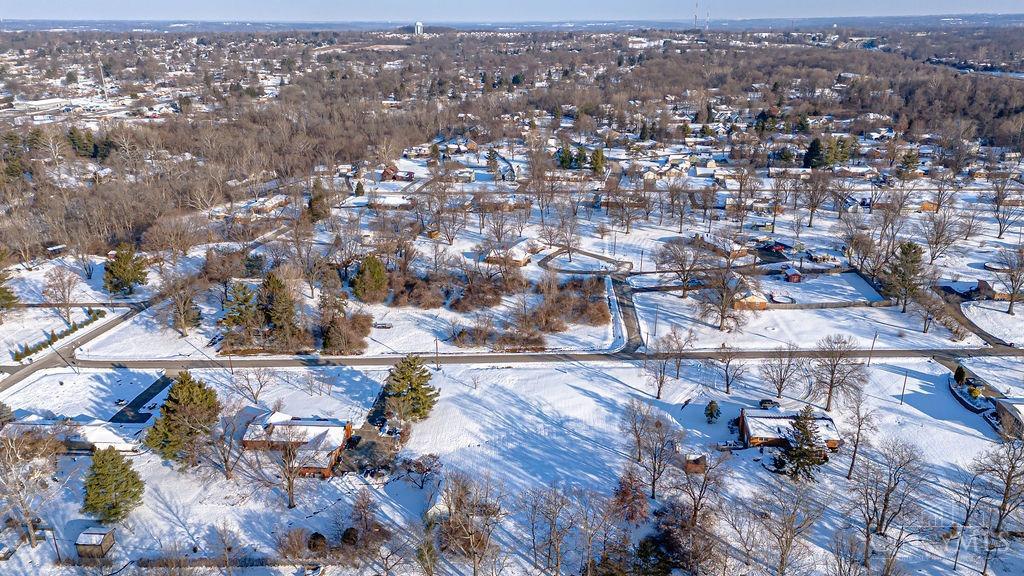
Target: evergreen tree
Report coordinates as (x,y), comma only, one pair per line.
(6,415)
(684,130)
(112,488)
(960,376)
(188,413)
(492,161)
(124,271)
(597,161)
(241,313)
(815,155)
(906,272)
(435,152)
(278,308)
(408,389)
(360,191)
(7,296)
(371,283)
(705,130)
(581,157)
(712,412)
(319,208)
(909,162)
(805,454)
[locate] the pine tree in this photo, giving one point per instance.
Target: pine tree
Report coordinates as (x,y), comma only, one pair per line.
(815,155)
(6,415)
(319,208)
(112,488)
(241,315)
(581,157)
(597,161)
(492,161)
(7,296)
(371,283)
(408,389)
(124,271)
(906,272)
(804,455)
(278,307)
(188,413)
(360,191)
(712,412)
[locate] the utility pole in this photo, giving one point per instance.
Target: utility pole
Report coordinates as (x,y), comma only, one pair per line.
(437,355)
(872,351)
(904,392)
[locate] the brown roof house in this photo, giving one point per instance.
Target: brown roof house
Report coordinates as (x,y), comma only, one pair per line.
(318,441)
(774,427)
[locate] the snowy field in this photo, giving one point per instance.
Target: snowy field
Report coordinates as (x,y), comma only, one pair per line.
(23,326)
(821,288)
(63,392)
(991,316)
(529,426)
(769,329)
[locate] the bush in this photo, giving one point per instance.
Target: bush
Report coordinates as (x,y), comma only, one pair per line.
(292,544)
(974,391)
(960,375)
(317,543)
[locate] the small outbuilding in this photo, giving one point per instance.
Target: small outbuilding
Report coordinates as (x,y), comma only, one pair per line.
(792,275)
(94,542)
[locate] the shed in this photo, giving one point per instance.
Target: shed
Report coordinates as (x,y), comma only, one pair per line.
(792,274)
(94,542)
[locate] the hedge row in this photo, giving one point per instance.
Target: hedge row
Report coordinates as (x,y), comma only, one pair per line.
(27,350)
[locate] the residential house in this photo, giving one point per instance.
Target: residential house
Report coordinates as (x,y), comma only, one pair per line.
(319,441)
(1010,415)
(774,428)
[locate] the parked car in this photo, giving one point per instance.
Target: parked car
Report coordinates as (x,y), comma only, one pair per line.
(768,404)
(313,570)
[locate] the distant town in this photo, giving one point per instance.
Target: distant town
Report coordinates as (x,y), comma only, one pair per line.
(623,298)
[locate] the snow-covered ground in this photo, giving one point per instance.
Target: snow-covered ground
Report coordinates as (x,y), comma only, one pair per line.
(65,392)
(28,326)
(991,316)
(821,288)
(527,426)
(769,329)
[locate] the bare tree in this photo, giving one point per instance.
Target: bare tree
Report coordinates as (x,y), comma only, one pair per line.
(1011,273)
(250,383)
(862,419)
(1002,467)
(702,490)
(731,365)
(969,493)
(786,520)
(635,424)
(61,284)
(594,520)
(475,510)
(781,368)
(658,451)
(226,541)
(224,449)
(844,556)
(28,462)
(835,371)
(940,233)
(683,260)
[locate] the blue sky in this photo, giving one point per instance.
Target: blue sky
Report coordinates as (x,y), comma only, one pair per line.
(482,10)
